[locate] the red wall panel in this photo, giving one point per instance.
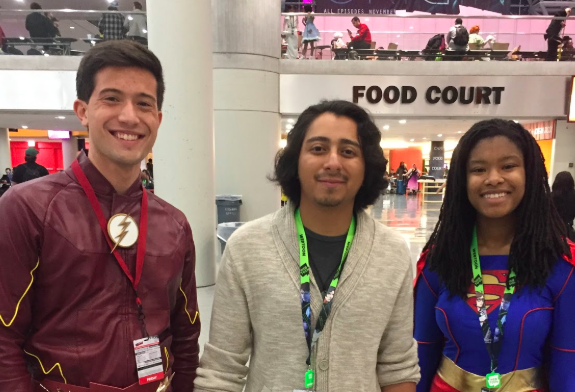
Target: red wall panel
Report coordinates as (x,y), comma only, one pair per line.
(50,154)
(409,155)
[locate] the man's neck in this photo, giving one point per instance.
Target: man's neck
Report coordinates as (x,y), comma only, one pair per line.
(326,221)
(494,236)
(121,177)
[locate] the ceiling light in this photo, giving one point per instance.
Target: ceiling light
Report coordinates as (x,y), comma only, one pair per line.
(60,117)
(283,143)
(22,38)
(411,140)
(403,121)
(24,126)
(386,127)
(460,132)
(31,143)
(72,27)
(440,135)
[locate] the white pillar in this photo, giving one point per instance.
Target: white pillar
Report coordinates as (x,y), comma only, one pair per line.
(563,155)
(69,151)
(5,156)
(184,151)
(247,47)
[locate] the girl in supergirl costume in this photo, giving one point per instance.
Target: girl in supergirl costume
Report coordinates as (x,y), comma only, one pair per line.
(495,287)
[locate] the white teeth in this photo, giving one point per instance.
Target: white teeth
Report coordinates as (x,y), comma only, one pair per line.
(125,136)
(494,195)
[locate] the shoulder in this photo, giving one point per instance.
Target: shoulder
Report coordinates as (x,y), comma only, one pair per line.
(179,218)
(256,231)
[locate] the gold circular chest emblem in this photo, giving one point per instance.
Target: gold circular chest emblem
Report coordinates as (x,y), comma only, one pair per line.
(123,230)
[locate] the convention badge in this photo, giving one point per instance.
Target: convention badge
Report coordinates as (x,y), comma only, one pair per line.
(149,360)
(123,231)
(309,378)
(493,380)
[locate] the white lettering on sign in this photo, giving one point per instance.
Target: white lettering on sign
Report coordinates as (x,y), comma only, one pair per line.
(437,168)
(438,158)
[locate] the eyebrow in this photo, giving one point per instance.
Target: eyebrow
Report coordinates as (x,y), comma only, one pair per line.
(505,158)
(327,140)
(116,91)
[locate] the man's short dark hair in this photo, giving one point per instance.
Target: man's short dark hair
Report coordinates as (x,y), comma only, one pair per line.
(35,6)
(117,54)
(287,159)
(356,19)
(458,21)
(138,5)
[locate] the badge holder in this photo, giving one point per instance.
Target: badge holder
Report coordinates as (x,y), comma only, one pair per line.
(149,360)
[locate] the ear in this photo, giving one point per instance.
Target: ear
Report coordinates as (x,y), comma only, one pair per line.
(160,117)
(81,110)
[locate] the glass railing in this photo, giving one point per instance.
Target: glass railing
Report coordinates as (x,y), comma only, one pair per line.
(407,36)
(67,32)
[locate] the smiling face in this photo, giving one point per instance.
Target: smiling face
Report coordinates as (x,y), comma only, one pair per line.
(331,166)
(122,115)
(495,177)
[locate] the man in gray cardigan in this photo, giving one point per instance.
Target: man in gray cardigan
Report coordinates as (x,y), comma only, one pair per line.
(318,296)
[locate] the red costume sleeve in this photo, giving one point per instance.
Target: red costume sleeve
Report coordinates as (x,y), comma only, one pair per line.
(361,34)
(19,261)
(186,324)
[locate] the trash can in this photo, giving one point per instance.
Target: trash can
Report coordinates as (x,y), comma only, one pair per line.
(228,208)
(225,230)
(400,187)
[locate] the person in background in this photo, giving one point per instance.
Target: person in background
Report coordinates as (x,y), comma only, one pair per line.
(475,38)
(39,25)
(310,34)
(498,241)
(412,179)
(553,33)
(567,50)
(9,174)
(147,180)
(290,33)
(136,24)
(362,40)
(29,170)
(320,257)
(401,171)
(564,199)
(111,24)
(458,37)
(150,167)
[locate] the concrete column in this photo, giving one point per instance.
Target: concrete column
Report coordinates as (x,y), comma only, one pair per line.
(563,156)
(69,151)
(247,48)
(184,151)
(5,156)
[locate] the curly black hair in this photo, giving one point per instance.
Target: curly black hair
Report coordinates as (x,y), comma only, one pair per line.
(286,166)
(539,240)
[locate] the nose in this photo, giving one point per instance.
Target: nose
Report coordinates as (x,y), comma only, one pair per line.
(333,161)
(128,115)
(494,177)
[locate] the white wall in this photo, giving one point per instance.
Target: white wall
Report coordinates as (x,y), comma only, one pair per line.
(563,149)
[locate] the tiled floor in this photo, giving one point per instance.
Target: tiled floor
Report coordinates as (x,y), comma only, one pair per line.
(413,216)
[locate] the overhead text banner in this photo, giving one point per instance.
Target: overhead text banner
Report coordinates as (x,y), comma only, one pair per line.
(423,96)
(387,7)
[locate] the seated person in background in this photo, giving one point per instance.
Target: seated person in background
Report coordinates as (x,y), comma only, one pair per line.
(338,42)
(458,37)
(38,24)
(475,38)
(363,38)
(567,49)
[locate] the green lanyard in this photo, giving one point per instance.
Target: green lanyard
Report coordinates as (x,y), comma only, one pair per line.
(493,343)
(306,292)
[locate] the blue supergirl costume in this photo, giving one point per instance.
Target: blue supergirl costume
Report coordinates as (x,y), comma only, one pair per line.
(538,349)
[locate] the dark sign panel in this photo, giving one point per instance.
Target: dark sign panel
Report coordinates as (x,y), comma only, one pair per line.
(387,7)
(436,160)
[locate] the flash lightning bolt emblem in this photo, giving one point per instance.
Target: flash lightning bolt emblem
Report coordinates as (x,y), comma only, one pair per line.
(120,231)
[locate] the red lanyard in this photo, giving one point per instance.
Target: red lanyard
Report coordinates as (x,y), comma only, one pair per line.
(87,187)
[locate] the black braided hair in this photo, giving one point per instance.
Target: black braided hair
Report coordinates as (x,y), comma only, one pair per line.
(539,240)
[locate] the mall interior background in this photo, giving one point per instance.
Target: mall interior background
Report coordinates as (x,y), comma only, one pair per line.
(232,98)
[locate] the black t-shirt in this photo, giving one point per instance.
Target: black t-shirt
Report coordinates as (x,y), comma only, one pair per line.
(28,171)
(324,256)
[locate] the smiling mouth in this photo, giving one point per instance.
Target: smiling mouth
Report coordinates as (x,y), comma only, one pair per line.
(126,136)
(495,195)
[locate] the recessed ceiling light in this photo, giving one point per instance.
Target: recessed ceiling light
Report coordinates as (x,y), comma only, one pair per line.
(386,127)
(24,126)
(60,117)
(72,27)
(460,132)
(411,140)
(440,135)
(403,121)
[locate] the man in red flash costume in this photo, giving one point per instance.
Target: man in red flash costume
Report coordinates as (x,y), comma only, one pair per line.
(97,282)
